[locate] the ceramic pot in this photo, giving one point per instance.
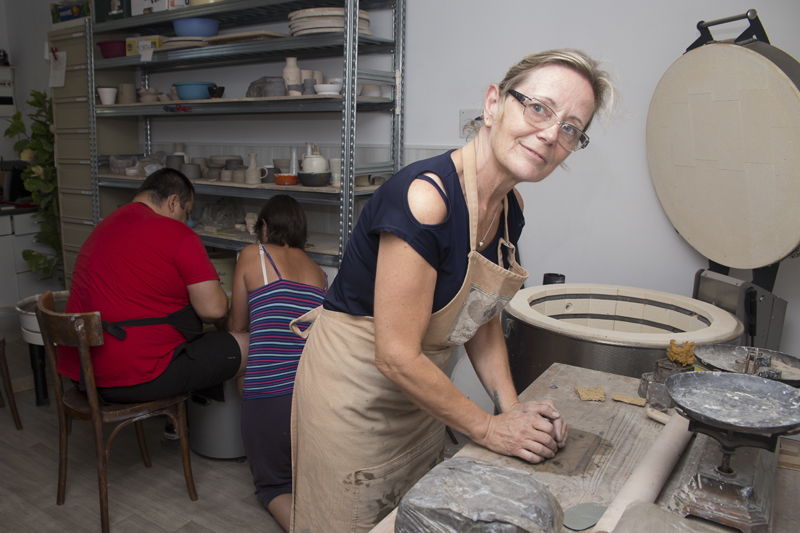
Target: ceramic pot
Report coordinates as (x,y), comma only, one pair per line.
(239,175)
(314,164)
(233,164)
(318,76)
(336,169)
(192,171)
(306,75)
(292,162)
(213,173)
(275,87)
(126,93)
(291,72)
(175,161)
(200,161)
(253,174)
(226,175)
(294,90)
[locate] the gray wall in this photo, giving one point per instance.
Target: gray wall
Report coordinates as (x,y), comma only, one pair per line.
(601,222)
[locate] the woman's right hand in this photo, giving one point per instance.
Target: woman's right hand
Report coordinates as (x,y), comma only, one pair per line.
(526,433)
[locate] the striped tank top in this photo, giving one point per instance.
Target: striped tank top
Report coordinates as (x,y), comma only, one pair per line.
(274,349)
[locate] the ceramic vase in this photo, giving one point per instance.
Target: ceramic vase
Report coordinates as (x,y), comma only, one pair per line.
(179,150)
(293,162)
(254,173)
(291,72)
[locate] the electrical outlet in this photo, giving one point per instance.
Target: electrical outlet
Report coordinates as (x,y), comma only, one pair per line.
(465,117)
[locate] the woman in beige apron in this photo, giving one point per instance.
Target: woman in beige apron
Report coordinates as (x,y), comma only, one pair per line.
(371,398)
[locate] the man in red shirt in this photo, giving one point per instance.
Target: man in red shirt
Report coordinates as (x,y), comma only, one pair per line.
(149,276)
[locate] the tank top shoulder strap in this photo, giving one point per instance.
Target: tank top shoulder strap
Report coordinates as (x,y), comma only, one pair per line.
(262,253)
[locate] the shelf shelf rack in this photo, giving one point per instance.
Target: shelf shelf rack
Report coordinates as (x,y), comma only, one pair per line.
(236,13)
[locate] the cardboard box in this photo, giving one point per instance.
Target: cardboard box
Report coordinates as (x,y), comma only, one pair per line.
(142,7)
(70,11)
(135,45)
(177,4)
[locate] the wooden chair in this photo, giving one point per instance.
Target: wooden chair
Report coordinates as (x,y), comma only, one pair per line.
(84,330)
(7,384)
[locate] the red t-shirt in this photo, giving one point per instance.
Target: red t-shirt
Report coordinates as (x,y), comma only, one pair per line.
(135,264)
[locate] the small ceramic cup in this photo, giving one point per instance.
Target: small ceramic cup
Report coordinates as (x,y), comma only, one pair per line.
(294,90)
(108,95)
(318,76)
(306,74)
(239,175)
(213,173)
(202,161)
(308,86)
(226,175)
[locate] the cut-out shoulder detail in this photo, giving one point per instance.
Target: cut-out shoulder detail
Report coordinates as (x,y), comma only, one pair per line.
(426,201)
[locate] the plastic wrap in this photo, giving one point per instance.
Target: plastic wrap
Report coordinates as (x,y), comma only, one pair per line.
(118,164)
(224,214)
(468,495)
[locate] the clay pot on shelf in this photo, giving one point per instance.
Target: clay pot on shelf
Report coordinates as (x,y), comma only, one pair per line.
(291,72)
(253,174)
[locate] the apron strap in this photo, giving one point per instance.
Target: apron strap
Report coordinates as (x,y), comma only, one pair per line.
(309,318)
(471,186)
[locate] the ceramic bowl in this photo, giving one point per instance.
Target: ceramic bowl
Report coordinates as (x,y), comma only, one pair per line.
(111,49)
(216,91)
(286,179)
(328,88)
(314,179)
(195,27)
(164,97)
(149,98)
(193,90)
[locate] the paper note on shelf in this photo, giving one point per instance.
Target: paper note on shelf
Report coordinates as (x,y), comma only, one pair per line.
(58,69)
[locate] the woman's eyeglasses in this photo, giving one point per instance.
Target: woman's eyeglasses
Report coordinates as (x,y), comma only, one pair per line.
(541,115)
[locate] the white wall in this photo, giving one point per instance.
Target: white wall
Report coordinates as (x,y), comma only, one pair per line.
(24,26)
(601,222)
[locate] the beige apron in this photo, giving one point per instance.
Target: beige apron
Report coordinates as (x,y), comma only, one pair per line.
(358,443)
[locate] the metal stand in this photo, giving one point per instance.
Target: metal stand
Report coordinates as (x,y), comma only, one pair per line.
(734,489)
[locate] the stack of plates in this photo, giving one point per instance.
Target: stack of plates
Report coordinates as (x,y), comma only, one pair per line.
(324,20)
(177,43)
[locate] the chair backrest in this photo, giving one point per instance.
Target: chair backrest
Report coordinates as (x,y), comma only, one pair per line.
(79,330)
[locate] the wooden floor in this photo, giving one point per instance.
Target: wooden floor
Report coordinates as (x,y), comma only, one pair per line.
(147,500)
(140,499)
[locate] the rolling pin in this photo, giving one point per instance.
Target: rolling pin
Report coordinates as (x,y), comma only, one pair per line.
(649,476)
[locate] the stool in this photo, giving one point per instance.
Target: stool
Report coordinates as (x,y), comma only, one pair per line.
(215,428)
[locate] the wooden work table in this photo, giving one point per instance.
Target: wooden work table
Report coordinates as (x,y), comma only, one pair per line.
(606,442)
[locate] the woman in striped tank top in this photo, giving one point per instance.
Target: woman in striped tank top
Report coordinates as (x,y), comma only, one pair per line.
(275,282)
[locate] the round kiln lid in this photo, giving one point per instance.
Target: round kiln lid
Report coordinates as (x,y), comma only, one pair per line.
(723,146)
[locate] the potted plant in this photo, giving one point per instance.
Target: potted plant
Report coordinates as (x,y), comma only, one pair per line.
(39,178)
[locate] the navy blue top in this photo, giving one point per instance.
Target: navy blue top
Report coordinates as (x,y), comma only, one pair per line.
(445,246)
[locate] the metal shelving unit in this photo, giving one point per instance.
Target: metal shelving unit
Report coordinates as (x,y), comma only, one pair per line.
(239,13)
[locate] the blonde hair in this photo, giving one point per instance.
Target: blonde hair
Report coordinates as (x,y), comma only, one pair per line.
(576,60)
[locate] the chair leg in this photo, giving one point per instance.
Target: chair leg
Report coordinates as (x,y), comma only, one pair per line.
(102,480)
(183,433)
(63,422)
(7,383)
(142,443)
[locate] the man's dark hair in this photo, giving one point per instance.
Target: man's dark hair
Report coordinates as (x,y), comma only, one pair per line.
(285,220)
(165,182)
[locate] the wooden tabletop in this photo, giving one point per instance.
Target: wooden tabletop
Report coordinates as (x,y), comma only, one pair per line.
(606,439)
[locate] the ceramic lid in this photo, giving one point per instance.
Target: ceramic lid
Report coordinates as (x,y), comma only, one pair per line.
(723,132)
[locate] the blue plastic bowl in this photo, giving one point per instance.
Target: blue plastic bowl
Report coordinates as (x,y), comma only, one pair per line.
(195,27)
(193,90)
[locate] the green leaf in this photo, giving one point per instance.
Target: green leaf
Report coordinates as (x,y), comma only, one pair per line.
(20,145)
